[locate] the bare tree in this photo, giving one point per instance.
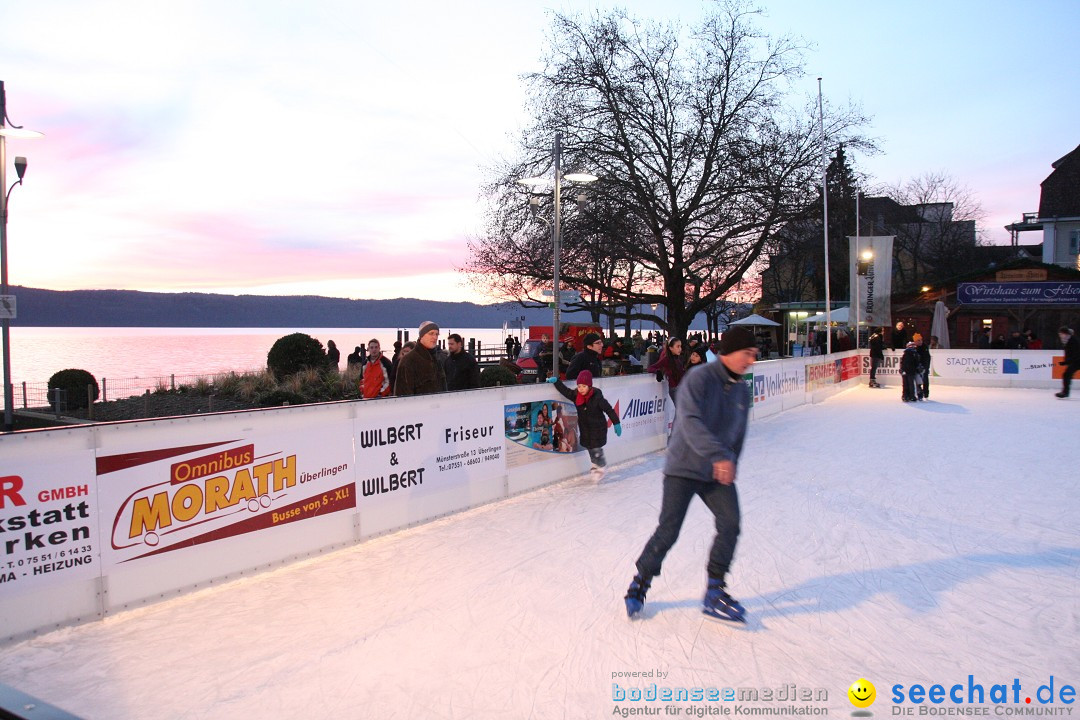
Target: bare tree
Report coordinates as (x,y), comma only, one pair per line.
(940,243)
(701,157)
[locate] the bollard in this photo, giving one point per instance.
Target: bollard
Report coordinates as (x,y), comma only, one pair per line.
(104,390)
(24,394)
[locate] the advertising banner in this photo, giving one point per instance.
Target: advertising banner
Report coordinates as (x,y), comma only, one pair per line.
(775,382)
(534,429)
(415,463)
(48,514)
(159,498)
(1019,293)
(872,291)
(1004,365)
(1018,365)
(850,367)
(819,375)
(539,430)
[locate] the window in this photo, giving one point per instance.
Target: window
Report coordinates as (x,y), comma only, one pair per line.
(1074,242)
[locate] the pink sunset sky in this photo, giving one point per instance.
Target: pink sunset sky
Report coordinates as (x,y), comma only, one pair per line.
(338,148)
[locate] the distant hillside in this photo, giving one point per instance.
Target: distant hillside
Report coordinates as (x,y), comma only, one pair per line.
(131,308)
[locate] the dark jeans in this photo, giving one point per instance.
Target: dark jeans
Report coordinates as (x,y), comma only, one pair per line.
(723,500)
(874,364)
(1066,379)
(924,384)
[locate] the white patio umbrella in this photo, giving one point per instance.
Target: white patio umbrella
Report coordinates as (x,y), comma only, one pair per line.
(839,315)
(757,320)
(939,327)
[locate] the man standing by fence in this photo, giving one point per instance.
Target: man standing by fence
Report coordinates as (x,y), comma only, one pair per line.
(462,372)
(418,373)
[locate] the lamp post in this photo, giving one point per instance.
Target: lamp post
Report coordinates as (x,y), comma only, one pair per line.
(556,238)
(14,131)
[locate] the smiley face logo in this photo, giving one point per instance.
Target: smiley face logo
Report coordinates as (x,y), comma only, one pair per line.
(862,693)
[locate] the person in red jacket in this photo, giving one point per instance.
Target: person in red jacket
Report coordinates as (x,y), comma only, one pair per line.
(375,376)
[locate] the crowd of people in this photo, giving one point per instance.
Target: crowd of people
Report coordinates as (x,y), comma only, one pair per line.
(416,368)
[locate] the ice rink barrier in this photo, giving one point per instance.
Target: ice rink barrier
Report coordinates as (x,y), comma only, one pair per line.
(1036,369)
(98,519)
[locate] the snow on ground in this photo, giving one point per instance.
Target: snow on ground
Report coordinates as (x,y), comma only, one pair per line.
(897,542)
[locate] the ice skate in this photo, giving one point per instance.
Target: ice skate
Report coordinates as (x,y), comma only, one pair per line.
(1061,394)
(635,596)
(597,474)
(720,605)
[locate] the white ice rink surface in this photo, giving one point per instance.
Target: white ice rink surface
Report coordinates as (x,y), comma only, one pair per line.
(897,542)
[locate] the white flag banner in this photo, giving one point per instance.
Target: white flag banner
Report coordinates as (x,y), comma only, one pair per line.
(871,292)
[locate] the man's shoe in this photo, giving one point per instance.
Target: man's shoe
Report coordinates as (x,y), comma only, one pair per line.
(1061,394)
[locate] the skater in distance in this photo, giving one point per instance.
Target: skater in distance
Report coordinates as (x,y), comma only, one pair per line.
(702,460)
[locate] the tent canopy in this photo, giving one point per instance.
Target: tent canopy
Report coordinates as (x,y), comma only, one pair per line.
(839,315)
(756,319)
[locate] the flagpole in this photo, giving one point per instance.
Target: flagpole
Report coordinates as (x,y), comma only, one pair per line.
(857,292)
(825,199)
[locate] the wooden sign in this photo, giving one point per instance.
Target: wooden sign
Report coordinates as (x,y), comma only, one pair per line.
(1029,275)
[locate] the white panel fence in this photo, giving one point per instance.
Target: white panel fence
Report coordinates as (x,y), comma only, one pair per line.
(97,519)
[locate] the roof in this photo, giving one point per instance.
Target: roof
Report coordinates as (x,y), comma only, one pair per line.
(1061,189)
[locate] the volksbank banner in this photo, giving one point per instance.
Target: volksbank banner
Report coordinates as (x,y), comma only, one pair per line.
(872,291)
(1019,293)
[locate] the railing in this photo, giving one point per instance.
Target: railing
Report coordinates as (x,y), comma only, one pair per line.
(30,395)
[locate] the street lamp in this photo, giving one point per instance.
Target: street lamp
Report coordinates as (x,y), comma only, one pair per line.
(7,305)
(862,268)
(556,236)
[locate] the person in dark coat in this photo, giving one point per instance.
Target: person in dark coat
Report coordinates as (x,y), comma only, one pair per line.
(354,359)
(593,411)
(587,359)
(1016,341)
(899,336)
(922,382)
(510,347)
(1071,362)
(333,356)
(462,372)
(877,355)
(418,373)
(670,366)
(909,371)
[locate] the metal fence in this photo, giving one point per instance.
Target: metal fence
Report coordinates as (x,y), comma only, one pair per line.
(29,395)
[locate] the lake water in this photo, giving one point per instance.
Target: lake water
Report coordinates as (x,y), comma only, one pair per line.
(120,353)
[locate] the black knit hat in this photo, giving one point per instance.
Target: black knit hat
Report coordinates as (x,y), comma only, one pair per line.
(735,339)
(590,338)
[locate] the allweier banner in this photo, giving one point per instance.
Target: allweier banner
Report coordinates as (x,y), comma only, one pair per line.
(871,292)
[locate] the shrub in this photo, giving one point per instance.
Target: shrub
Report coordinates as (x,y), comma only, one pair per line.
(74,383)
(274,398)
(497,375)
(293,353)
